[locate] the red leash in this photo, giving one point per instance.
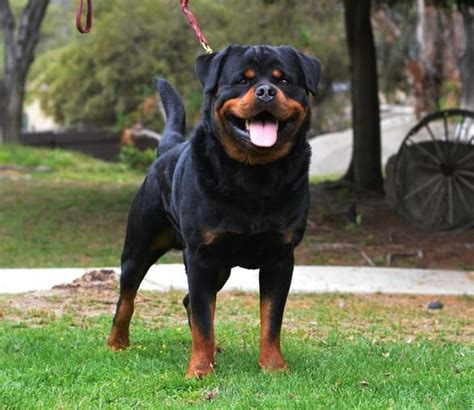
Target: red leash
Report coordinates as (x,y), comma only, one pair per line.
(195,25)
(88,25)
(184,6)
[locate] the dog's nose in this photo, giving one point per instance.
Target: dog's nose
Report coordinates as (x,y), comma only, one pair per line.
(265,92)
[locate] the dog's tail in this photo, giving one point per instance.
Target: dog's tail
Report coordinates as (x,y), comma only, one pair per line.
(173,133)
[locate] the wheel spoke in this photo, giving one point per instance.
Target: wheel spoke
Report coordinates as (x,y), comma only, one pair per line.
(465,182)
(438,203)
(429,166)
(420,188)
(432,193)
(466,157)
(436,142)
(450,202)
(459,129)
(426,152)
(461,194)
(446,131)
(465,172)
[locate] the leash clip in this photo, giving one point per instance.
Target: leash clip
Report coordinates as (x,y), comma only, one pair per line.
(206,47)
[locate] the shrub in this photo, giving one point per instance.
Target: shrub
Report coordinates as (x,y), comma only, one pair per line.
(135,158)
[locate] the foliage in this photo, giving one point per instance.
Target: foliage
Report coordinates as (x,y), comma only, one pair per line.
(395,38)
(105,76)
(135,158)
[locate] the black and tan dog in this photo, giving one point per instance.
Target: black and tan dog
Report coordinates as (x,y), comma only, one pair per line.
(235,194)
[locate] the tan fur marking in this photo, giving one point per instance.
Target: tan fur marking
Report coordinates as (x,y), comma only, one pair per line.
(119,335)
(277,73)
(202,354)
(249,74)
(270,354)
(209,237)
(288,237)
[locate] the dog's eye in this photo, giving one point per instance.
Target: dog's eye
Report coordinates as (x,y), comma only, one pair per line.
(284,81)
(243,81)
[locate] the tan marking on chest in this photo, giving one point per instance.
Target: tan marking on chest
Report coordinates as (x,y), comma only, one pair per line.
(288,237)
(212,236)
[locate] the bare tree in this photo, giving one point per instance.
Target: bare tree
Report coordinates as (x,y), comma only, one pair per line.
(365,169)
(19,53)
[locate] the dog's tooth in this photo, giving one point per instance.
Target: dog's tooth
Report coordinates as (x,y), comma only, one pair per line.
(247,124)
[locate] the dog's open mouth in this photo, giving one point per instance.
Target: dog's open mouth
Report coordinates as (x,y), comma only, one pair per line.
(261,130)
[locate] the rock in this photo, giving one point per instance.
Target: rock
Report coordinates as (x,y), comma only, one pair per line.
(435,305)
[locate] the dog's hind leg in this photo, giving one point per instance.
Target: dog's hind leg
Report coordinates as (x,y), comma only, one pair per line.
(148,238)
(133,272)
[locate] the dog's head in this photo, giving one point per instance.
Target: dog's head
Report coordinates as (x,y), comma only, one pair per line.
(258,99)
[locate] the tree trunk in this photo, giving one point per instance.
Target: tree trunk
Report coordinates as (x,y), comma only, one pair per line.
(466,58)
(429,34)
(3,107)
(12,121)
(365,168)
(19,50)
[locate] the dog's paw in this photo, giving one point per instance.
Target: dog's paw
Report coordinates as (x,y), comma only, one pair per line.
(199,371)
(116,343)
(273,363)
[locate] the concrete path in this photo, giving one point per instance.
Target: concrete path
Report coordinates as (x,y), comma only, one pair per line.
(332,152)
(318,279)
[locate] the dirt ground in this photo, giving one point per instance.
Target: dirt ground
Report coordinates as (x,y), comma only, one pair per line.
(378,316)
(350,229)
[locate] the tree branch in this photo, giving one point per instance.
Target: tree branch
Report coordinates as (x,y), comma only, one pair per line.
(8,25)
(28,35)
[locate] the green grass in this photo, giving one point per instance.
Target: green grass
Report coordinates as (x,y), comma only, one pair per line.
(62,165)
(54,224)
(73,215)
(345,360)
(317,179)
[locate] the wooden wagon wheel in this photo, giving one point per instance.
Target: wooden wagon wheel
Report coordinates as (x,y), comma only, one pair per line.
(434,171)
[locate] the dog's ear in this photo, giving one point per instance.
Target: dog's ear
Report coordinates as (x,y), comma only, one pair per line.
(311,68)
(208,68)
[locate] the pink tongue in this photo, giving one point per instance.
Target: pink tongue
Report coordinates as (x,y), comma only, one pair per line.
(263,134)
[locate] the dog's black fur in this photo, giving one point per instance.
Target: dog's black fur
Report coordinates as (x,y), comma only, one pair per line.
(222,200)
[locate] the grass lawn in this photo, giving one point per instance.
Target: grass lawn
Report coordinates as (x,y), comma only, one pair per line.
(73,214)
(343,352)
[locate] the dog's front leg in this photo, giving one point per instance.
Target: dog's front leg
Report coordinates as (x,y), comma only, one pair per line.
(275,280)
(202,282)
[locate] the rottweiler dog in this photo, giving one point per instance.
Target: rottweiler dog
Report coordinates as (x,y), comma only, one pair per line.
(234,194)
